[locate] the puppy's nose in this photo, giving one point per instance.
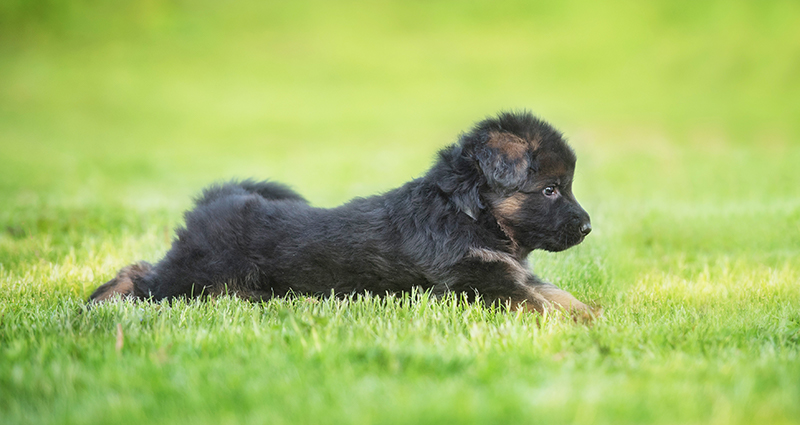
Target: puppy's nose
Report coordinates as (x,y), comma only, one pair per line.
(586,228)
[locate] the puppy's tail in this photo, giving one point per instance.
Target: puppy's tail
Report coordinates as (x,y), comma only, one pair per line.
(272,191)
(123,285)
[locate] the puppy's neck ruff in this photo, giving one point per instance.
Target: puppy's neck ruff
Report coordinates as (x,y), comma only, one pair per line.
(513,245)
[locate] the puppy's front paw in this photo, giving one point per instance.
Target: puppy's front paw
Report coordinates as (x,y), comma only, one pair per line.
(585,314)
(578,311)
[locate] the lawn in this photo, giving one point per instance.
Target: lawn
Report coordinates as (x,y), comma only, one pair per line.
(684,115)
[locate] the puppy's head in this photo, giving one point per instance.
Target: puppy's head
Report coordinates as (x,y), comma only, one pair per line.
(526,172)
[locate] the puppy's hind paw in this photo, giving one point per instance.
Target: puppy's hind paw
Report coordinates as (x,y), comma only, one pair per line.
(121,286)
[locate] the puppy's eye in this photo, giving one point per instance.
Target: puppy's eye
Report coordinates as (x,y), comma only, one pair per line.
(549,191)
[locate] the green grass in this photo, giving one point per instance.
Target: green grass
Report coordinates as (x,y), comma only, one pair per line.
(684,115)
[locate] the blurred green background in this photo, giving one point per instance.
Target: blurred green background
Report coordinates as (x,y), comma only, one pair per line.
(684,115)
(110,101)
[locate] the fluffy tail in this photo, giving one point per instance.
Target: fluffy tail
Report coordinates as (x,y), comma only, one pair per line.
(123,285)
(271,191)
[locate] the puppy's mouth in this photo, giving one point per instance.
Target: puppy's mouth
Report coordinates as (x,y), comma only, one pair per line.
(567,240)
(574,241)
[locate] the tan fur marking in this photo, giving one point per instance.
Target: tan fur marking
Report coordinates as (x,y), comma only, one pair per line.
(535,141)
(518,272)
(122,285)
(534,303)
(510,145)
(552,165)
(510,206)
(121,288)
(549,298)
(562,298)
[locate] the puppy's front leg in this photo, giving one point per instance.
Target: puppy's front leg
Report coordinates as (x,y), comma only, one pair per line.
(557,298)
(500,279)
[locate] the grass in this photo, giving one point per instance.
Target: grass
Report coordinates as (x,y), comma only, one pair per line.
(683,115)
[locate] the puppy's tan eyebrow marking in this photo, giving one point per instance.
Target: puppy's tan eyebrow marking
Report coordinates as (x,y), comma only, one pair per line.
(551,165)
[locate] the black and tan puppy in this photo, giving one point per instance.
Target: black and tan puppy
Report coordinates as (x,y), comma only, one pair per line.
(467,226)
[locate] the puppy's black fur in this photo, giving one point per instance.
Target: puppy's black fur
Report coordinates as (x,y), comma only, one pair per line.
(467,226)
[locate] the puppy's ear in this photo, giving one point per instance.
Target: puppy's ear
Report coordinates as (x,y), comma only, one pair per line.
(504,160)
(456,177)
(468,201)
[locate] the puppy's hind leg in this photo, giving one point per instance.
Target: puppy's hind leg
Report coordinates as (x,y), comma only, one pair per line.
(123,285)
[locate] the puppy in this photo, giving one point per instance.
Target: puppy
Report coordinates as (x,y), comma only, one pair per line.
(465,227)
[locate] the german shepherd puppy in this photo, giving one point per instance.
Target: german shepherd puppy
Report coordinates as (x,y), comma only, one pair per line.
(467,226)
